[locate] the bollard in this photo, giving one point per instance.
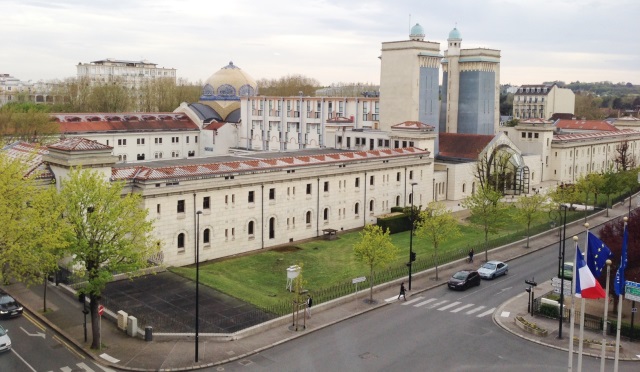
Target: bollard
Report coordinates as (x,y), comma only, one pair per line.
(148,333)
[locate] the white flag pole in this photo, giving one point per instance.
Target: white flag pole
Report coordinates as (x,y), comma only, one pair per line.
(604,322)
(572,312)
(619,325)
(575,267)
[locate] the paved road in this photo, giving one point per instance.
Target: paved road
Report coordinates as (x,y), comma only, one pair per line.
(437,330)
(38,348)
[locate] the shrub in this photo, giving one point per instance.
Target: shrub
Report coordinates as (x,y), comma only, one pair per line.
(549,311)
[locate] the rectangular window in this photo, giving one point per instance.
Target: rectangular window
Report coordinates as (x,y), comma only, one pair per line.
(339,139)
(357,182)
(326,186)
(536,135)
(308,189)
(371,180)
(158,141)
(180,206)
(195,139)
(272,194)
(206,202)
(140,141)
(251,196)
(122,142)
(187,139)
(398,176)
(158,208)
(410,175)
(524,135)
(380,143)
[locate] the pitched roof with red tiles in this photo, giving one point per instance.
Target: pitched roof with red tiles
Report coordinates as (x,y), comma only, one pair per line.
(31,155)
(78,144)
(597,125)
(413,125)
(462,146)
(125,122)
(594,135)
(148,172)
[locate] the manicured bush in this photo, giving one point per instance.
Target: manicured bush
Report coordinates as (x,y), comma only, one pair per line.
(395,224)
(549,311)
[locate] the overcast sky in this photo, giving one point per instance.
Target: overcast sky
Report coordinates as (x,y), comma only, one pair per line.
(329,40)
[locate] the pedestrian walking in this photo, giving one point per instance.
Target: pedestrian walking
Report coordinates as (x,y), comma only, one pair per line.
(309,303)
(471,255)
(402,292)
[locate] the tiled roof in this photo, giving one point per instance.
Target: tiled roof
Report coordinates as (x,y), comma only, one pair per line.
(463,146)
(598,125)
(126,122)
(413,125)
(31,155)
(594,135)
(535,121)
(78,144)
(214,125)
(147,172)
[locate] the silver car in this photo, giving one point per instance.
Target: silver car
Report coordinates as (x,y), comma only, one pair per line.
(491,269)
(5,341)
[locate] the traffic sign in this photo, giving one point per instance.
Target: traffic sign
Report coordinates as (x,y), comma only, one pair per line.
(100,310)
(566,292)
(359,279)
(632,291)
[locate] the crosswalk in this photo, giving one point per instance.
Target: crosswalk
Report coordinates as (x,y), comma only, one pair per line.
(478,311)
(82,367)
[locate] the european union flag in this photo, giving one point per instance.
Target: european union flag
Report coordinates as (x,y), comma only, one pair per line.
(620,282)
(597,255)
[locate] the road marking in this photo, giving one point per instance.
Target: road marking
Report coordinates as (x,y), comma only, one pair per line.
(391,299)
(425,302)
(66,369)
(413,300)
(109,358)
(37,334)
(85,367)
(35,322)
(449,306)
(505,314)
(68,347)
(490,311)
(438,304)
(475,310)
(504,289)
(461,308)
(22,359)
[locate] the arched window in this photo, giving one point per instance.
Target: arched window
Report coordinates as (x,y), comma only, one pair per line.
(251,228)
(307,217)
(326,214)
(272,228)
(206,236)
(181,241)
(356,209)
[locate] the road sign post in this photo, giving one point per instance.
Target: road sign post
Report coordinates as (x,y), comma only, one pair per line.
(356,281)
(100,310)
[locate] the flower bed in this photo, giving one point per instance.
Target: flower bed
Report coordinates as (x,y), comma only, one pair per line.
(530,327)
(595,344)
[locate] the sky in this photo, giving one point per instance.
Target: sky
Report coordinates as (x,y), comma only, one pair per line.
(332,41)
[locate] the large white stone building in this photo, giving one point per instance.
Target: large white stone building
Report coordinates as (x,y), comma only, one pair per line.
(130,73)
(542,101)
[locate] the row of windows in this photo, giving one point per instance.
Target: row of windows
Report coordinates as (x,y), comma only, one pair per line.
(157,140)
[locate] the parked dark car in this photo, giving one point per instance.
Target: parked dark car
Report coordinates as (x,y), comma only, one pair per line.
(464,279)
(9,307)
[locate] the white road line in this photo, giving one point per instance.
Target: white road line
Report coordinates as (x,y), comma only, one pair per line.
(66,369)
(22,359)
(475,310)
(438,304)
(461,308)
(412,301)
(109,358)
(449,306)
(391,299)
(85,367)
(425,302)
(490,311)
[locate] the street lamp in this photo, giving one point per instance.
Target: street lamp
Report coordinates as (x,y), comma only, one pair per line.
(198,213)
(412,256)
(561,251)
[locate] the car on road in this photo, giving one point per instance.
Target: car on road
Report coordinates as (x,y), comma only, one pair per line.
(492,269)
(567,271)
(5,341)
(9,307)
(464,279)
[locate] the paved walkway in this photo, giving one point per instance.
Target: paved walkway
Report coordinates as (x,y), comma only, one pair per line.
(178,353)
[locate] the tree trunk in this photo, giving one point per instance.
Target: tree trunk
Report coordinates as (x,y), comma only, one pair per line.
(371,285)
(95,322)
(44,296)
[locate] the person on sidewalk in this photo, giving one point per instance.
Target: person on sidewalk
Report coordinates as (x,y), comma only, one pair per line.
(402,292)
(471,255)
(308,309)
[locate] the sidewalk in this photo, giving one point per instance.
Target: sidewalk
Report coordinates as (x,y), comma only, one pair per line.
(163,353)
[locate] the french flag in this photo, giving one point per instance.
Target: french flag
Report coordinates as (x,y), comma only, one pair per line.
(586,285)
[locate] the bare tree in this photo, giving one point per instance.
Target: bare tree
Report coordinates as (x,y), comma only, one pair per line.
(287,86)
(624,158)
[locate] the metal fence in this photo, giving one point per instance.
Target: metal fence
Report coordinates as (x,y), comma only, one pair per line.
(592,322)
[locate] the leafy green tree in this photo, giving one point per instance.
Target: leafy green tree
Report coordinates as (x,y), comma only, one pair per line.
(487,211)
(438,225)
(529,208)
(26,122)
(589,184)
(611,185)
(32,234)
(110,234)
(565,193)
(374,249)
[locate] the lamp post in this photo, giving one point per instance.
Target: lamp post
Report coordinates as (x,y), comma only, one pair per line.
(412,256)
(198,213)
(561,251)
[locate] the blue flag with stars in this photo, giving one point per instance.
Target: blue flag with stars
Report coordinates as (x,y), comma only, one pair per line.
(620,282)
(597,255)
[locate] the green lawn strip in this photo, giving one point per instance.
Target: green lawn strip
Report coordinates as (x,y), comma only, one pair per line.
(261,278)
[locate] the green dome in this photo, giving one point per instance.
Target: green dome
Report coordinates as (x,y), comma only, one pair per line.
(455,34)
(417,31)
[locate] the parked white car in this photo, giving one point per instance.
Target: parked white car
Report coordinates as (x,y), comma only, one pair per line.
(5,341)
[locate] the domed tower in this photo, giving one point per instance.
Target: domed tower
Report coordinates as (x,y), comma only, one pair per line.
(223,89)
(417,33)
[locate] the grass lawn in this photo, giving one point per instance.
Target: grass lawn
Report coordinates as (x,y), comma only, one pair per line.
(261,278)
